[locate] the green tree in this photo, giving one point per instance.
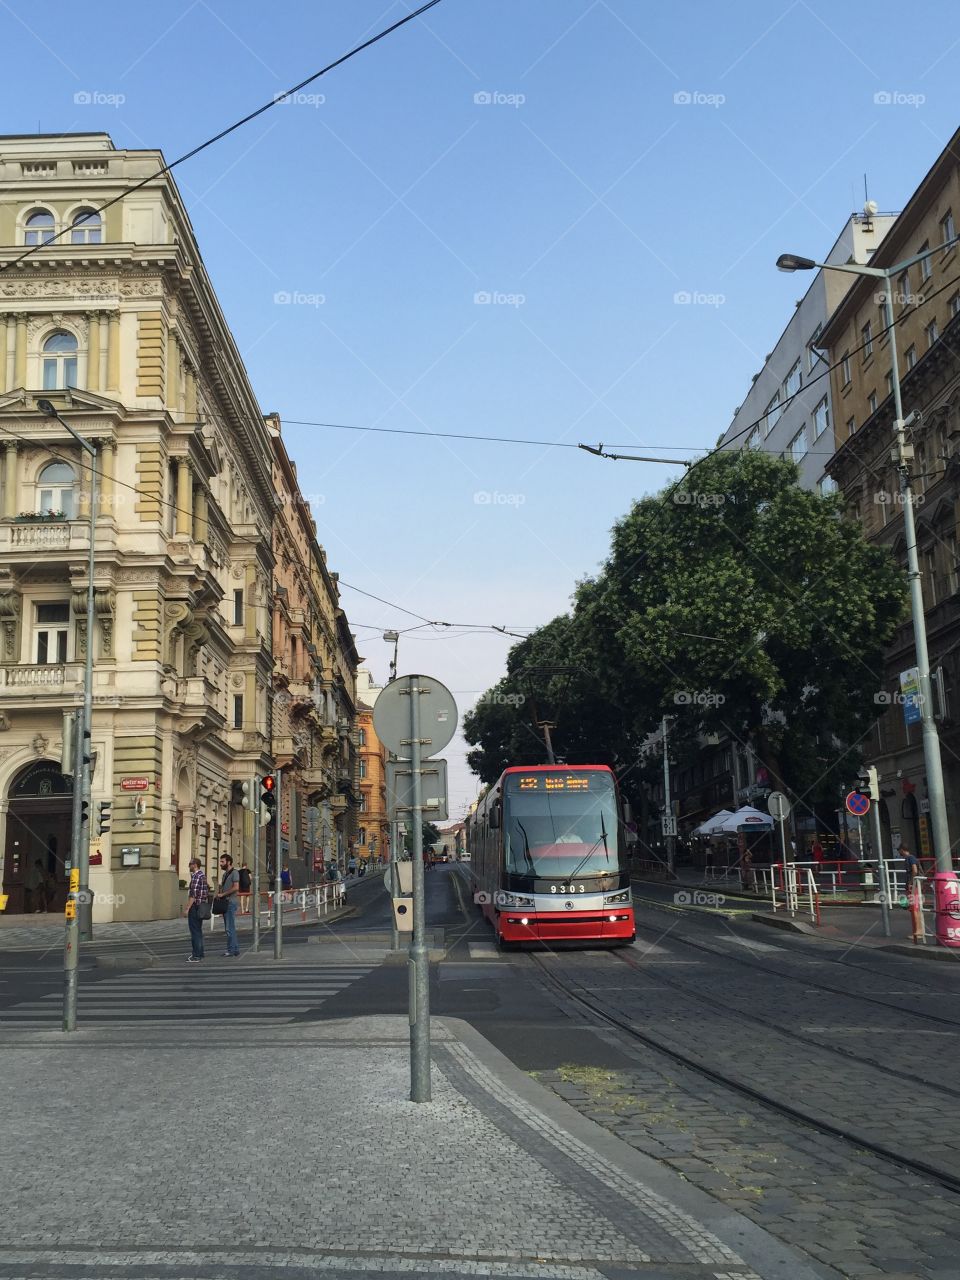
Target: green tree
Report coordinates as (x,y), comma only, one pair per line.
(741,603)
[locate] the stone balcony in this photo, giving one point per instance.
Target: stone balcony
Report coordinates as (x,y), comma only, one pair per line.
(46,677)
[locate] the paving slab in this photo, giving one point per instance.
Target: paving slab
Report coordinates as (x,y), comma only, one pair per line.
(495,1176)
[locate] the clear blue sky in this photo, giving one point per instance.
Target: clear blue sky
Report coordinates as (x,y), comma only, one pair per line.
(583,194)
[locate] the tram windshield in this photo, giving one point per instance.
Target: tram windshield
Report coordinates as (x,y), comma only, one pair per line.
(560,825)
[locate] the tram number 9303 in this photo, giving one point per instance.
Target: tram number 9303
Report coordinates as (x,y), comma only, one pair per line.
(568,888)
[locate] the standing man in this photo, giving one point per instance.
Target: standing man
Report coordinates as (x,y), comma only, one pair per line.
(229,889)
(198,909)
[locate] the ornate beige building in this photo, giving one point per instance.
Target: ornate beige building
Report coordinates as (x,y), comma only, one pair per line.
(373,826)
(116,322)
(314,682)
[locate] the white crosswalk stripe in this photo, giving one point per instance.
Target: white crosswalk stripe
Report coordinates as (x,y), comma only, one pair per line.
(226,992)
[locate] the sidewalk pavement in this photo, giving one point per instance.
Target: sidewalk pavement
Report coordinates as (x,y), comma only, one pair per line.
(859,924)
(223,1155)
(45,929)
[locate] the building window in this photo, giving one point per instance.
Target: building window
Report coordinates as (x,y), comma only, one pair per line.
(911,356)
(826,485)
(903,287)
(753,439)
(821,418)
(772,415)
(798,445)
(794,378)
(926,270)
(813,357)
(39,228)
(362,737)
(954,305)
(948,230)
(953,568)
(238,607)
(845,369)
(362,835)
(86,228)
(851,426)
(238,710)
(55,490)
(362,803)
(932,332)
(872,402)
(51,632)
(363,768)
(59,361)
(866,333)
(888,378)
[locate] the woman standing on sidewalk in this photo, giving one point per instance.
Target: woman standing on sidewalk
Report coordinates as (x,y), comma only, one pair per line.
(198,909)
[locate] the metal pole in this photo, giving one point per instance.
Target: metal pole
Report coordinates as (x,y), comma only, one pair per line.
(71,944)
(548,743)
(931,739)
(394,883)
(84,897)
(783,851)
(256,868)
(668,802)
(881,866)
(419,964)
(277,882)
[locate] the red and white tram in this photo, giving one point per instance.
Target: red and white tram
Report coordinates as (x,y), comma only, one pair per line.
(548,856)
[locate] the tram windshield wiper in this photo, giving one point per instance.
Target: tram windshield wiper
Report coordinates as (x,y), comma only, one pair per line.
(586,857)
(526,850)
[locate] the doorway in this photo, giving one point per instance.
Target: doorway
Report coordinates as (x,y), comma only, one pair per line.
(37,854)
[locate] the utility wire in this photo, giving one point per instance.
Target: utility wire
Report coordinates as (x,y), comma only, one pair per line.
(238,124)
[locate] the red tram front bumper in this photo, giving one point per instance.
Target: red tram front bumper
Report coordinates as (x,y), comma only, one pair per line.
(573,926)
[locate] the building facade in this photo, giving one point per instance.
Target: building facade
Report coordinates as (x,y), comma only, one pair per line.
(788,409)
(373,832)
(116,323)
(314,725)
(926,301)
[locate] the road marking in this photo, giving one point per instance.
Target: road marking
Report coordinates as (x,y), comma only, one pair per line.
(877,1031)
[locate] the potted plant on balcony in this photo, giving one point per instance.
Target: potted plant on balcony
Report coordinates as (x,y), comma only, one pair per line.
(26,517)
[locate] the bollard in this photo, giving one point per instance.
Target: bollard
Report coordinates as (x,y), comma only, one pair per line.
(946,898)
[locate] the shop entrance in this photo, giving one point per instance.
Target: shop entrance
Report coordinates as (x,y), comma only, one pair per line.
(35,870)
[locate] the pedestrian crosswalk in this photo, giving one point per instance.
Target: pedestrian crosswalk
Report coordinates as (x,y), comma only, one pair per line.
(218,990)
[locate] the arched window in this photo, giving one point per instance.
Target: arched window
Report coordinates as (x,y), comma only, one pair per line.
(59,361)
(39,227)
(55,489)
(362,835)
(87,227)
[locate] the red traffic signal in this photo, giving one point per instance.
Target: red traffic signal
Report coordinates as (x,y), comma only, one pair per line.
(268,783)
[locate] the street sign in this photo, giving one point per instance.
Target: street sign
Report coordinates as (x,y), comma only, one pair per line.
(433,788)
(778,805)
(911,696)
(668,826)
(134,784)
(438,715)
(857,804)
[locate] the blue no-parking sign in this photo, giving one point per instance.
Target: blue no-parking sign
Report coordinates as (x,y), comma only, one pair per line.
(857,804)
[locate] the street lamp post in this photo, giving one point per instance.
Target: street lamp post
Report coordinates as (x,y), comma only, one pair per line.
(903,454)
(393,637)
(79,927)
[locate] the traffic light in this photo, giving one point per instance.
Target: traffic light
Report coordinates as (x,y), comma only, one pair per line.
(248,790)
(268,799)
(103,817)
(84,811)
(868,782)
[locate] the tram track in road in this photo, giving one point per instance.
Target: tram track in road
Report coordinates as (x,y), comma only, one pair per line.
(571,990)
(769,970)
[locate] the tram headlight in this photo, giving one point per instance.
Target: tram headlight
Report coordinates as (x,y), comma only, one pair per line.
(610,898)
(513,900)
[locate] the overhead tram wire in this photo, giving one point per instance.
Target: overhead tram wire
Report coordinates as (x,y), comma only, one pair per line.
(237,124)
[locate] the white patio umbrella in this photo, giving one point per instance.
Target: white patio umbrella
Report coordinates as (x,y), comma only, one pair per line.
(746,818)
(705,828)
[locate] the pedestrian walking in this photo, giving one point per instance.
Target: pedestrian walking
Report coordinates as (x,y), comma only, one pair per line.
(228,892)
(286,880)
(246,883)
(34,898)
(914,870)
(748,877)
(198,909)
